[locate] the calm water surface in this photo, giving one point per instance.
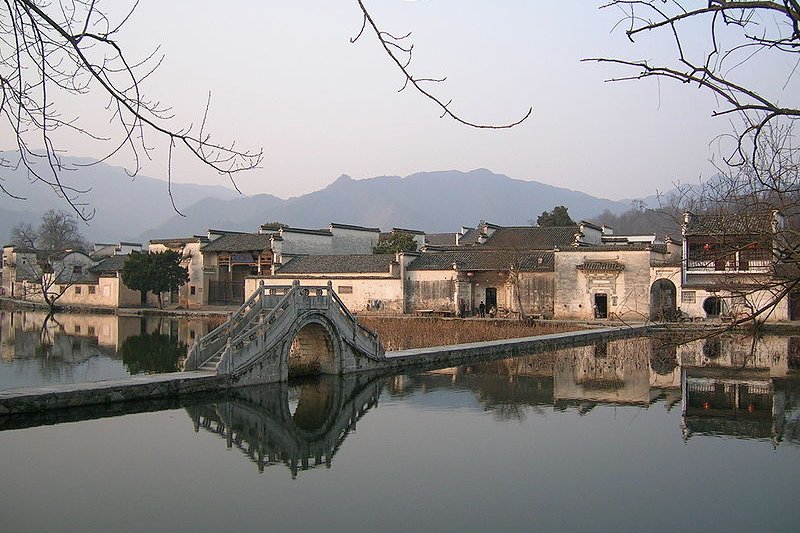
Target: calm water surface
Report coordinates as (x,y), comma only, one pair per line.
(632,435)
(71,348)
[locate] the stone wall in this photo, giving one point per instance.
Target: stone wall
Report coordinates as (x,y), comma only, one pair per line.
(431,289)
(628,291)
(353,241)
(359,294)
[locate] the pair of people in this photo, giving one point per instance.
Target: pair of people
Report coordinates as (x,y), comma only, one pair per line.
(462,309)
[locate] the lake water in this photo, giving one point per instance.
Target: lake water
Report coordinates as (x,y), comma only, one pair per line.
(71,348)
(631,435)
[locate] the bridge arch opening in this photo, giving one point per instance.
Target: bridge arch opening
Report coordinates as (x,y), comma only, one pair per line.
(312,352)
(311,402)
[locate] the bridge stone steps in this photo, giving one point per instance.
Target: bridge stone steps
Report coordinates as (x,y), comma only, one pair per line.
(211,364)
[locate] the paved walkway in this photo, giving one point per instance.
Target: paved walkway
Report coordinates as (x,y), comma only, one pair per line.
(146,387)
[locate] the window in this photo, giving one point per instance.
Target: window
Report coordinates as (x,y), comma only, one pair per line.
(345,289)
(77,269)
(77,328)
(90,331)
(688,297)
(192,289)
(77,289)
(92,289)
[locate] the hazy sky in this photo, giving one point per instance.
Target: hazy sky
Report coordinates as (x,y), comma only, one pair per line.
(285,77)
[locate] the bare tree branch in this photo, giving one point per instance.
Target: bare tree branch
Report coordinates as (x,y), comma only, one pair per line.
(401,54)
(51,51)
(738,31)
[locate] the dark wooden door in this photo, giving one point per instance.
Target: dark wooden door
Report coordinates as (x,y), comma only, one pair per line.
(491,297)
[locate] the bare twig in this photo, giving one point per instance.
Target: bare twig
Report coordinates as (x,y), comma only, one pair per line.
(401,54)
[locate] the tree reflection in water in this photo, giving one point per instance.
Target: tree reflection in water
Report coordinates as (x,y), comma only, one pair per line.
(152,353)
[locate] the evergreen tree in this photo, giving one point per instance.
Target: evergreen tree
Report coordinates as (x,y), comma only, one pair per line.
(154,272)
(558,217)
(396,241)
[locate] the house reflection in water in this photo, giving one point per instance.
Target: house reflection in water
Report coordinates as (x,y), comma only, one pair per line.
(728,385)
(737,386)
(63,341)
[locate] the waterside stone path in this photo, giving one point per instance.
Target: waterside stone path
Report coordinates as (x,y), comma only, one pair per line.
(146,387)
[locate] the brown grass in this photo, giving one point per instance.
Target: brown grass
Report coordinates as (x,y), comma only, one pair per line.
(407,333)
(216,320)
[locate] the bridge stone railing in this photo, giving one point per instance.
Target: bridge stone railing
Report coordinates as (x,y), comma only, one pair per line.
(215,342)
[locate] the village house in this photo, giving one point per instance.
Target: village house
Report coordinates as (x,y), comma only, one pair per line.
(505,268)
(730,267)
(27,272)
(632,281)
(76,277)
(191,294)
(102,286)
(219,263)
(364,282)
(502,280)
(103,250)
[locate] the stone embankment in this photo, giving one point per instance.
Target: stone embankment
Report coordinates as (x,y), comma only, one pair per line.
(137,388)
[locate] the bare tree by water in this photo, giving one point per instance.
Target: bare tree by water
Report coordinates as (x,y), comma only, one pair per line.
(42,254)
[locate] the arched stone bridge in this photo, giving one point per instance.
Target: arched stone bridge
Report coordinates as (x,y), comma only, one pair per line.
(283,331)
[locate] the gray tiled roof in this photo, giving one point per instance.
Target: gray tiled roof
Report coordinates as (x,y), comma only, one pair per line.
(484,260)
(411,231)
(110,265)
(178,241)
(352,226)
(729,224)
(440,239)
(470,237)
(532,238)
(239,242)
(332,264)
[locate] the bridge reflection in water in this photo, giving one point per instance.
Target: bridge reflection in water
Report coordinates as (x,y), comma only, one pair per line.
(300,424)
(755,395)
(729,386)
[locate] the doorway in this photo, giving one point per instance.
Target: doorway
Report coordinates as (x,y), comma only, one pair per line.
(601,305)
(712,306)
(491,297)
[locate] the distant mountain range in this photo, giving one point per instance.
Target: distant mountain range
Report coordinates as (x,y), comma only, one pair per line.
(428,201)
(124,207)
(139,209)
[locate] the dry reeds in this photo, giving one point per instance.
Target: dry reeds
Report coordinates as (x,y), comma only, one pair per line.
(407,333)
